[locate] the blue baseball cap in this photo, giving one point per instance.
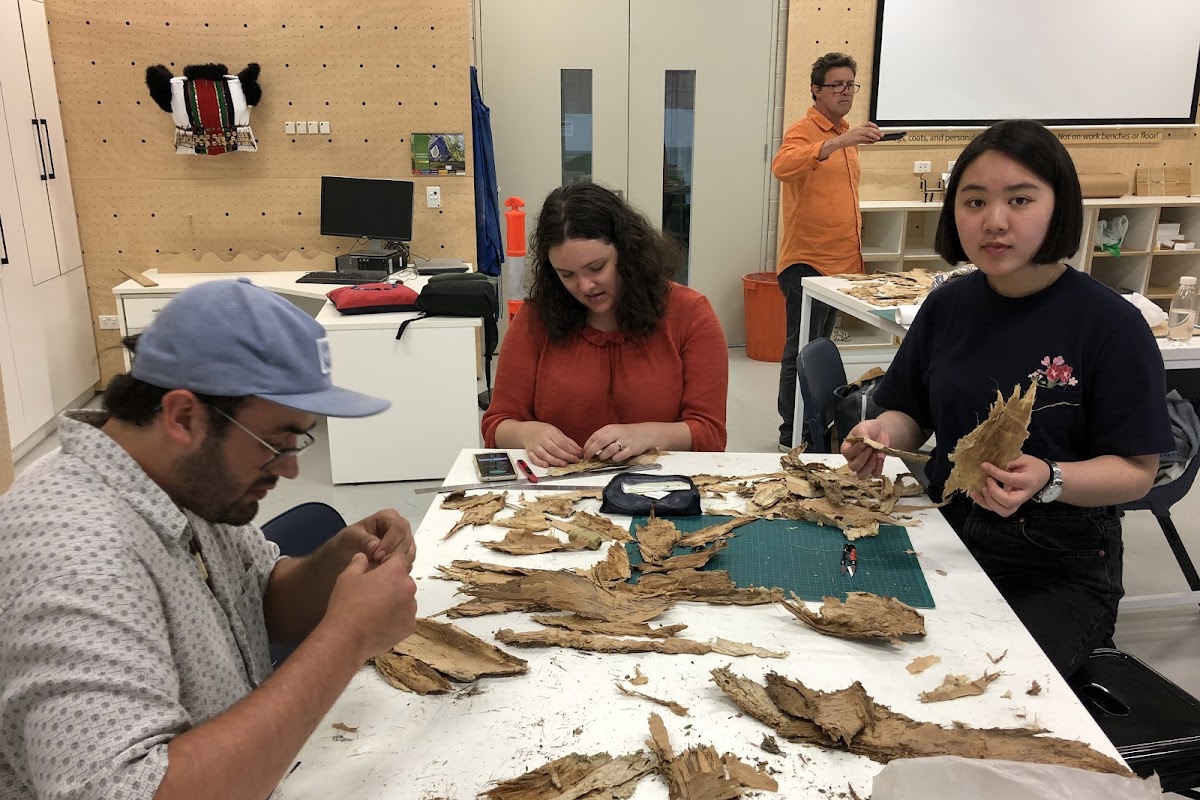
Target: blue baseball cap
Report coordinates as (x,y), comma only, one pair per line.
(232,339)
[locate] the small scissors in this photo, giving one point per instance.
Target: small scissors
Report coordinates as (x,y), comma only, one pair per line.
(849,560)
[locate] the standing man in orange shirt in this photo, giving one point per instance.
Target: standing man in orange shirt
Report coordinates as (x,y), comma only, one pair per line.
(822,226)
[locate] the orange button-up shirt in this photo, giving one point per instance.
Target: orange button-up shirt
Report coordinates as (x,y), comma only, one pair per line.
(818,209)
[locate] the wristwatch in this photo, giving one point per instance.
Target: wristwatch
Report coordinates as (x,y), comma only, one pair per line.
(1053,488)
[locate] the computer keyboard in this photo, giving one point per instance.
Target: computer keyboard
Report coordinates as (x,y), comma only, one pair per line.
(343,278)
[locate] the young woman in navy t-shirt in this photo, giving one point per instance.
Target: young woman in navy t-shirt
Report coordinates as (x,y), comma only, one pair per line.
(1045,527)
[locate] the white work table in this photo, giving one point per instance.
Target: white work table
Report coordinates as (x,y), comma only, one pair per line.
(896,321)
(429,375)
(454,745)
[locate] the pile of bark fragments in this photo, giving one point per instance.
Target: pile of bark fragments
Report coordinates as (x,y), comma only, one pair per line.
(890,288)
(819,493)
(697,773)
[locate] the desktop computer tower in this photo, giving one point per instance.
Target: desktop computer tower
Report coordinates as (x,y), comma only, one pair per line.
(384,263)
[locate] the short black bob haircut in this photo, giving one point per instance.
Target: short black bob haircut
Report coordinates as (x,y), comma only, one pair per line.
(1038,150)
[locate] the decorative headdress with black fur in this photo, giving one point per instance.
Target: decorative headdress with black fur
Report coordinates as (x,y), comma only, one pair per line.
(210,107)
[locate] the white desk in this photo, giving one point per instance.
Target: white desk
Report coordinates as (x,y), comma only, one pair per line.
(429,375)
(1176,355)
(408,746)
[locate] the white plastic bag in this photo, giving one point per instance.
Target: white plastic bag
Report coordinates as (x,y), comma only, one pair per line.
(986,779)
(1111,232)
(1151,312)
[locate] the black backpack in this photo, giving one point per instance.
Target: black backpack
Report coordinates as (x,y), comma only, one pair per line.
(468,294)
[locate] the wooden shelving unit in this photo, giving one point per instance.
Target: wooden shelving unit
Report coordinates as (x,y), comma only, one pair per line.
(898,235)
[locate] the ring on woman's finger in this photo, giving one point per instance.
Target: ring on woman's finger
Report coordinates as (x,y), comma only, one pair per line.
(619,445)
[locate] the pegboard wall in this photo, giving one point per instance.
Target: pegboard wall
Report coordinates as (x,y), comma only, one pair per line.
(816,27)
(376,71)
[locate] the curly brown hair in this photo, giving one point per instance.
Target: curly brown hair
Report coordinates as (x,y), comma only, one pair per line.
(646,260)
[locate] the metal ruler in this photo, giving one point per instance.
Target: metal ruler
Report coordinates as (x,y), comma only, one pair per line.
(548,483)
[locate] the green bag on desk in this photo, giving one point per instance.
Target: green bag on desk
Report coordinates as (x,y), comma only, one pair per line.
(468,294)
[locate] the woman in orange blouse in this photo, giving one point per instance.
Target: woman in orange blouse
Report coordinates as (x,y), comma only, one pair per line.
(608,358)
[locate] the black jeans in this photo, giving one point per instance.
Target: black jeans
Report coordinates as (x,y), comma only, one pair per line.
(1058,566)
(820,327)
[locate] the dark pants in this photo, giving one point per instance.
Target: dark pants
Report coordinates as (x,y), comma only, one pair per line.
(821,326)
(1058,566)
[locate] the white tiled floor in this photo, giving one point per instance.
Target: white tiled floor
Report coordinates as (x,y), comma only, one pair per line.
(1168,640)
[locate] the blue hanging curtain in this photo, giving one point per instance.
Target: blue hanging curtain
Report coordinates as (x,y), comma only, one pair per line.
(489,250)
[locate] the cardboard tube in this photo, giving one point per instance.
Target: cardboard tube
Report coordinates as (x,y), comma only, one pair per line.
(1104,184)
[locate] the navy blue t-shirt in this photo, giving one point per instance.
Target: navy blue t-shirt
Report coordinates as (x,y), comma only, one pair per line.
(1101,383)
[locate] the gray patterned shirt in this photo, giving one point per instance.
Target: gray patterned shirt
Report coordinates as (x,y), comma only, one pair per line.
(111,642)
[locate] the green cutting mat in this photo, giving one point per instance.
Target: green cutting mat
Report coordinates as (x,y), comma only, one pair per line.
(805,558)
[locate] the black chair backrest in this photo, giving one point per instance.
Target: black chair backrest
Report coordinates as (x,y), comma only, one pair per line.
(819,370)
(1160,498)
(301,530)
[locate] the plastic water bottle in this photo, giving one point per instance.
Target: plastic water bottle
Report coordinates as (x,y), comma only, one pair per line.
(1182,317)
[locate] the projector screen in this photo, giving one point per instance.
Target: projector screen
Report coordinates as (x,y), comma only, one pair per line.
(1064,62)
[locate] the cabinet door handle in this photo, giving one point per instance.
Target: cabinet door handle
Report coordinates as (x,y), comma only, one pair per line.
(41,152)
(4,243)
(49,148)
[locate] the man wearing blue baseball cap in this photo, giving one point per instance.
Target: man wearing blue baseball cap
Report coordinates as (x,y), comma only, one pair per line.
(136,599)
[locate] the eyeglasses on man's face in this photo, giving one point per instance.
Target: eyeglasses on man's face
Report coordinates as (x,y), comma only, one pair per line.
(306,440)
(842,87)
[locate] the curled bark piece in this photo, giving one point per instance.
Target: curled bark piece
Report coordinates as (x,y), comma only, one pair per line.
(524,543)
(461,501)
(997,659)
(708,586)
(558,505)
(582,521)
(956,686)
(478,514)
(862,616)
(713,533)
(675,708)
(698,773)
(567,591)
(1034,689)
(820,718)
(577,776)
(455,653)
(589,464)
(675,645)
(694,560)
(410,675)
(475,572)
(656,539)
(907,455)
(581,625)
(613,569)
(526,520)
(997,441)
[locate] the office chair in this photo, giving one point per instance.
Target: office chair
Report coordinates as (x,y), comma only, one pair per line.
(1154,724)
(298,532)
(819,370)
(1158,501)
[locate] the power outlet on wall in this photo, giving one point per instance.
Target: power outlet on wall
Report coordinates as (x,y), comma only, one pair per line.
(110,322)
(433,197)
(921,167)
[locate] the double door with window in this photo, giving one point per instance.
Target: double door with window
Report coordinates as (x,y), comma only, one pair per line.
(668,101)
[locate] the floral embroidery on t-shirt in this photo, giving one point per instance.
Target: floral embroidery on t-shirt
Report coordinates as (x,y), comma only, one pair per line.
(1055,372)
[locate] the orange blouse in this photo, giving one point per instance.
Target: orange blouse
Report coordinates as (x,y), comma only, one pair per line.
(678,373)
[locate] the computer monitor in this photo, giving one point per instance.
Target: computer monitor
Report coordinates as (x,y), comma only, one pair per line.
(378,209)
